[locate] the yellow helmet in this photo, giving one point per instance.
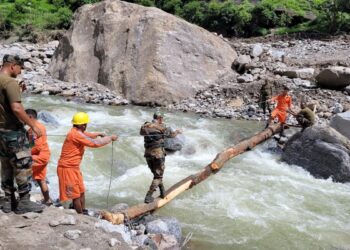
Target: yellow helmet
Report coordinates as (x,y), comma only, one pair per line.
(80,118)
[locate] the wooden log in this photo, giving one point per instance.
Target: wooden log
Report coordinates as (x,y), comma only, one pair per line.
(190,181)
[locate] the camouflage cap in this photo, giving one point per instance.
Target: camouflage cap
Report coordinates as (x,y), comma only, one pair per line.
(13,59)
(157,114)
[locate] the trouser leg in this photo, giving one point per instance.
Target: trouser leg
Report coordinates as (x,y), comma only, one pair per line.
(157,168)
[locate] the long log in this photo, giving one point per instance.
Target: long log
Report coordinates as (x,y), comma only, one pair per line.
(190,181)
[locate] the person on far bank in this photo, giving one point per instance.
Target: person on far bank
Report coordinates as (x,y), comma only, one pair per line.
(40,155)
(283,107)
(16,159)
(154,134)
(70,178)
(266,92)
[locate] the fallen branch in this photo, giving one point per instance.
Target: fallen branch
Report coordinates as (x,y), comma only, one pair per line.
(190,181)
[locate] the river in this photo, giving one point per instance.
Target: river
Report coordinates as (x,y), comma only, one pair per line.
(255,202)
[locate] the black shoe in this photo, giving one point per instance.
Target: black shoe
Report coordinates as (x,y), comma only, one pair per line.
(162,191)
(25,206)
(149,198)
(6,205)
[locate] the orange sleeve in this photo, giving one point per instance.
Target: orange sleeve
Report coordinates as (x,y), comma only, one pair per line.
(91,134)
(85,140)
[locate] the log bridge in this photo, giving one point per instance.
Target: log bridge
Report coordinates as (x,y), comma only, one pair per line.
(187,183)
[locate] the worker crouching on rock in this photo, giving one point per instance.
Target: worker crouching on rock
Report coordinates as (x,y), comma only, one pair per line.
(305,117)
(154,134)
(70,178)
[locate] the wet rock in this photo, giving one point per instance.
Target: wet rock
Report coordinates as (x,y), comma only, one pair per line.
(334,77)
(47,118)
(347,90)
(72,234)
(164,241)
(341,122)
(174,144)
(164,225)
(322,151)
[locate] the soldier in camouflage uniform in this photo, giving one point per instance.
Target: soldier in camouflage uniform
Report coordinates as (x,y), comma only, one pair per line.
(154,134)
(15,154)
(266,92)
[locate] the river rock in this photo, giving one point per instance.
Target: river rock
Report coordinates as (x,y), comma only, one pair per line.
(165,241)
(47,118)
(341,122)
(334,77)
(164,225)
(145,53)
(322,151)
(174,144)
(110,228)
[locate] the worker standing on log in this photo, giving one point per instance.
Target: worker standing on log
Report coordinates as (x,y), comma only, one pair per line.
(284,104)
(154,134)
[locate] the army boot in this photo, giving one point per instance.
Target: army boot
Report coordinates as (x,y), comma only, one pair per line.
(25,205)
(149,198)
(6,204)
(162,190)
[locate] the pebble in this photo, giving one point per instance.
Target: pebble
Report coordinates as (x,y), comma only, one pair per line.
(113,242)
(72,234)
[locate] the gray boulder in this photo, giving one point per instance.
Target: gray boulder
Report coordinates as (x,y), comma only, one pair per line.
(257,50)
(341,122)
(174,144)
(334,77)
(163,225)
(47,118)
(305,73)
(322,151)
(145,54)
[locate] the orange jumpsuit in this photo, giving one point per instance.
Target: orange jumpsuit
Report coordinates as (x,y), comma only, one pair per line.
(71,184)
(283,103)
(40,153)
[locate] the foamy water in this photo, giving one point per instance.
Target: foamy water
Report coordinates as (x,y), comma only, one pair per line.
(254,202)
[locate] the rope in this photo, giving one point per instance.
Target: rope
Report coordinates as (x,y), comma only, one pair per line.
(110,177)
(187,239)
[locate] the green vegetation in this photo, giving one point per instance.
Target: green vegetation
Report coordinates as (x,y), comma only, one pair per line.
(228,17)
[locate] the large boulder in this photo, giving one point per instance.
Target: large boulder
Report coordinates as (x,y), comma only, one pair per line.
(144,53)
(322,151)
(334,77)
(305,73)
(341,122)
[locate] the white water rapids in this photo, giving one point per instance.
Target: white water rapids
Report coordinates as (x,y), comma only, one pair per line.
(254,202)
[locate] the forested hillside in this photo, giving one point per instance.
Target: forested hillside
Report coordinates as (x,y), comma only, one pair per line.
(27,18)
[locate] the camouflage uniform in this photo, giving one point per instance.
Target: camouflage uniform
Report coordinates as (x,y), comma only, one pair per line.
(154,135)
(15,154)
(266,93)
(306,118)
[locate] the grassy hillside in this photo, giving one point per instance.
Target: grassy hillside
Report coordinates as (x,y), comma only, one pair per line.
(27,18)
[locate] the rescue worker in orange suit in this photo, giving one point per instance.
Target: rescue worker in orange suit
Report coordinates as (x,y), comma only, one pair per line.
(71,185)
(154,134)
(284,104)
(40,155)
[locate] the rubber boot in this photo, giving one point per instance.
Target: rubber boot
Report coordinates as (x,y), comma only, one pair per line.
(25,205)
(149,198)
(162,190)
(282,132)
(6,204)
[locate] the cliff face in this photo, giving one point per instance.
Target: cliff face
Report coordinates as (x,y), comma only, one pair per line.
(144,53)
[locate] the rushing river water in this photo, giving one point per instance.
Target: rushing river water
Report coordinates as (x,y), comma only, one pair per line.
(254,202)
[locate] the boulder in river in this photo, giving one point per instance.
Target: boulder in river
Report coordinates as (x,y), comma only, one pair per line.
(144,53)
(341,122)
(322,151)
